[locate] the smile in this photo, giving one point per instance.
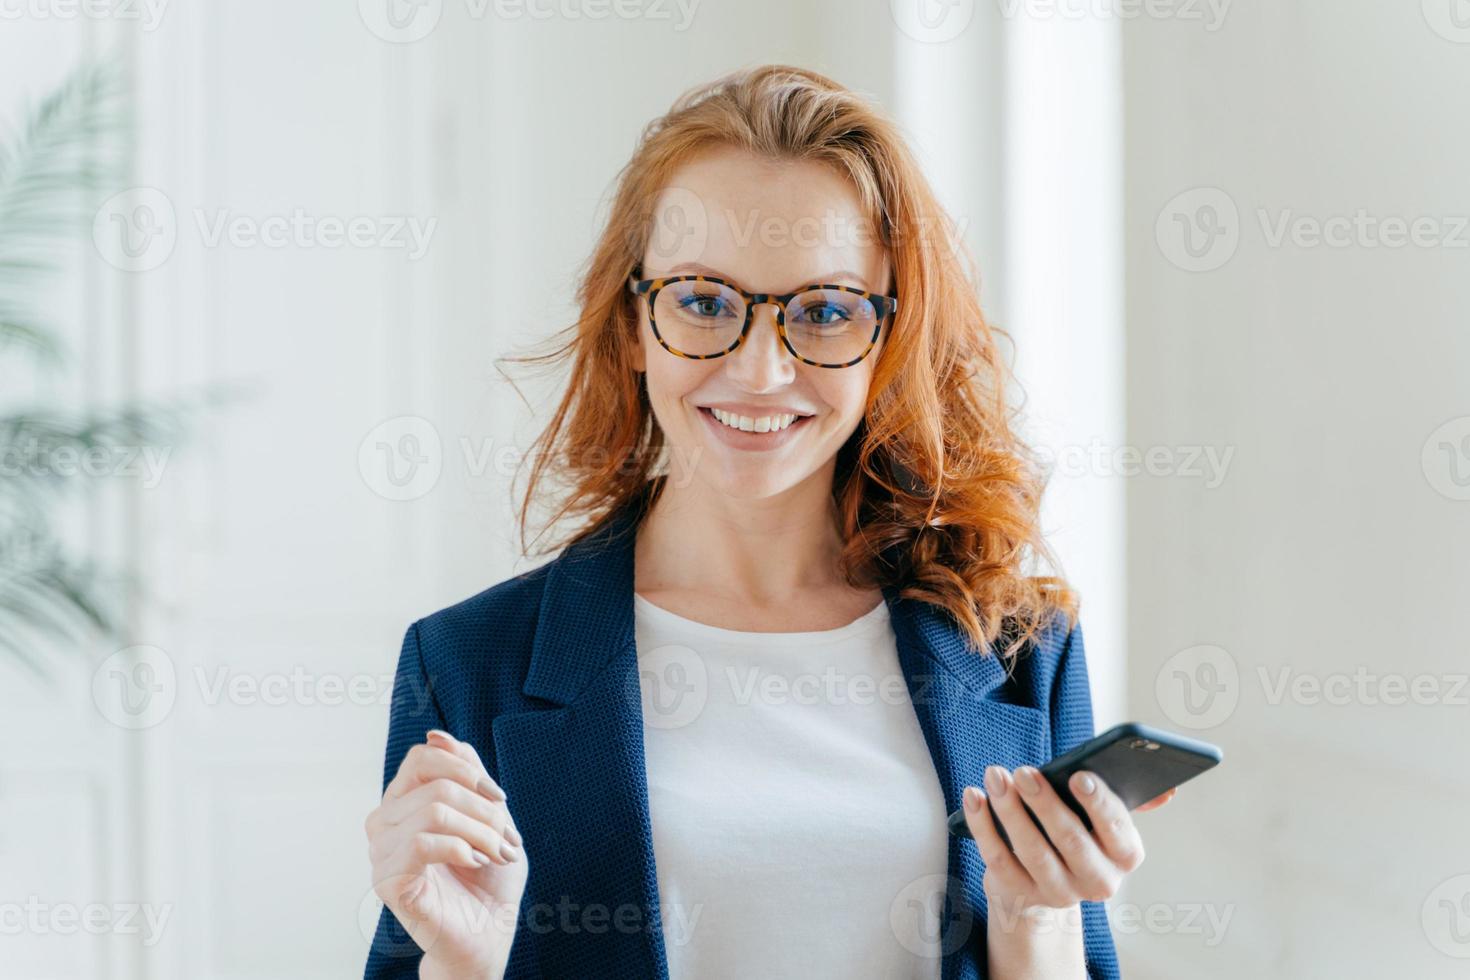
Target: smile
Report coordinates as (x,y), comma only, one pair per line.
(753,433)
(768,423)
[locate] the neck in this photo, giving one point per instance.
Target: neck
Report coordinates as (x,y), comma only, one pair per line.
(751,551)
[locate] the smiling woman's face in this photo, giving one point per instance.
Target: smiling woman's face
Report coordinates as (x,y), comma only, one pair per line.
(768,227)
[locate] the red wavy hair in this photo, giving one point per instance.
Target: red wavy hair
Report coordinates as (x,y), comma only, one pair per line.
(935,492)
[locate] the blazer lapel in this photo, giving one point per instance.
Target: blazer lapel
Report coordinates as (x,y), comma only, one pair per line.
(576,768)
(957,695)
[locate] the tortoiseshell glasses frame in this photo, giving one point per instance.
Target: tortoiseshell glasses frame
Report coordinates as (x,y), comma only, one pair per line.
(884,306)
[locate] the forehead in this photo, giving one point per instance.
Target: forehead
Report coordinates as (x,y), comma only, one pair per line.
(771,224)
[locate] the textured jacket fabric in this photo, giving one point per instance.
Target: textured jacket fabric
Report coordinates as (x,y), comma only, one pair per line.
(539,673)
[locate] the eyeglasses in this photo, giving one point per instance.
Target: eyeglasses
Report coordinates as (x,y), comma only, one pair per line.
(703,317)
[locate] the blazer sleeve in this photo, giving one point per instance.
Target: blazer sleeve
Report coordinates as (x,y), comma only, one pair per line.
(1071,725)
(393,954)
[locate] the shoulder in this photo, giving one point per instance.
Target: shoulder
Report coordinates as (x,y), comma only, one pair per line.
(477,651)
(1050,675)
(506,609)
(1041,662)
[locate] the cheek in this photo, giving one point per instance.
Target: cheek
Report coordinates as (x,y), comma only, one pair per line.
(670,379)
(846,395)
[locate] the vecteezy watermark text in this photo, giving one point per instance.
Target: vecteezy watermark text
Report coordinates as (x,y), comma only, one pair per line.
(38,918)
(137,230)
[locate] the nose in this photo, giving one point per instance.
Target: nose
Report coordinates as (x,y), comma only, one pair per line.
(762,363)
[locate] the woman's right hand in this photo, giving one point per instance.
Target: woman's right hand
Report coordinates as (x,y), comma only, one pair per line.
(447,859)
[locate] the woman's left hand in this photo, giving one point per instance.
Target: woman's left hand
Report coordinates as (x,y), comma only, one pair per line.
(1076,865)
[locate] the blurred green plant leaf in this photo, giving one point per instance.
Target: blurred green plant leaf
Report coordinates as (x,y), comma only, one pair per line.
(68,151)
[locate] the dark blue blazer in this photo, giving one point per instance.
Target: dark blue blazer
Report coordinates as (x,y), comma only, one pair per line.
(539,673)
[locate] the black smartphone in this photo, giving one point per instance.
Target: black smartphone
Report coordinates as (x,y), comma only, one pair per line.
(1137,762)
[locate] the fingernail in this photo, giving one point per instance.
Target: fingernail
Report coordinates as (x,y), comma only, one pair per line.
(1087,784)
(508,852)
(1030,782)
(514,836)
(973,796)
(490,790)
(995,781)
(439,733)
(481,858)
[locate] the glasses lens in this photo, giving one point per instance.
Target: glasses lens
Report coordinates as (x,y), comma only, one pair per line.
(698,318)
(830,326)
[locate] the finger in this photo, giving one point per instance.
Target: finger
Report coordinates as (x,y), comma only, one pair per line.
(1111,823)
(1093,874)
(466,751)
(425,763)
(419,850)
(487,786)
(449,793)
(1040,860)
(1156,802)
(385,847)
(440,818)
(993,851)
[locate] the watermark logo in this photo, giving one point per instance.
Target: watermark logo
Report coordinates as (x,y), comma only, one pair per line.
(1198,687)
(401,459)
(1450,19)
(147,13)
(1201,686)
(32,457)
(1446,917)
(300,229)
(673,683)
(932,21)
(1361,229)
(1199,229)
(400,21)
(1208,464)
(37,918)
(1362,686)
(406,21)
(930,916)
(140,686)
(1209,13)
(1446,459)
(680,227)
(135,687)
(136,229)
(755,685)
(422,928)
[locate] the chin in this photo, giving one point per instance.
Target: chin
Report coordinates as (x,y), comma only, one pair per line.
(751,481)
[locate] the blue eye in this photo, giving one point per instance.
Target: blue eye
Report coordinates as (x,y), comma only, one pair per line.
(824,314)
(703,305)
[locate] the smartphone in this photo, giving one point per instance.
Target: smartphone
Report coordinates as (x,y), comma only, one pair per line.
(1137,762)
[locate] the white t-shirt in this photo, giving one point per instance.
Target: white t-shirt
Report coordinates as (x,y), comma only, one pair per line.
(798,824)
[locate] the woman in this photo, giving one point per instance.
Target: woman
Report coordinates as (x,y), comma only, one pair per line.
(805,526)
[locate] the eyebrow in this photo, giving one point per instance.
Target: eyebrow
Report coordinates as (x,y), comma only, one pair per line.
(832,277)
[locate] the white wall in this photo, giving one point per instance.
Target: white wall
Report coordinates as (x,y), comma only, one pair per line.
(1334,833)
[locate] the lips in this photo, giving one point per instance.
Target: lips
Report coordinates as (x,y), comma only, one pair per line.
(754,411)
(750,440)
(759,423)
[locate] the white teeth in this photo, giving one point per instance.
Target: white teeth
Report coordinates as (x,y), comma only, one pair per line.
(766,423)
